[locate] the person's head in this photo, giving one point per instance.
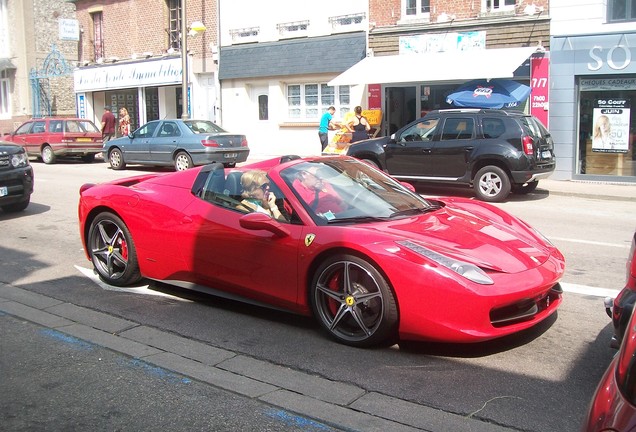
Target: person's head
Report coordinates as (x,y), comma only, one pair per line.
(106,108)
(332,110)
(255,184)
(123,111)
(309,178)
(602,126)
(358,110)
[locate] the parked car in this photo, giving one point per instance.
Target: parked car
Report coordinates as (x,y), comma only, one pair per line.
(16,178)
(179,143)
(494,151)
(50,138)
(620,308)
(613,406)
(371,262)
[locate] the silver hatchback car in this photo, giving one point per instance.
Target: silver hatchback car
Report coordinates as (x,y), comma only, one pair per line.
(179,143)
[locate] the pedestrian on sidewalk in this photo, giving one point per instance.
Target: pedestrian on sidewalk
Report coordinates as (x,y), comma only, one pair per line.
(108,125)
(326,124)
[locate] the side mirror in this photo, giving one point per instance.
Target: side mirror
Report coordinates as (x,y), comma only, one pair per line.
(259,221)
(131,135)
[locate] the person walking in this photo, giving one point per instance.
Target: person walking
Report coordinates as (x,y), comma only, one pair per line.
(359,126)
(108,125)
(327,124)
(124,122)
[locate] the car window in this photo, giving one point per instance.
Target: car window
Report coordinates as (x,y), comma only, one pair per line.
(72,126)
(530,127)
(39,127)
(87,126)
(421,131)
(24,129)
(56,126)
(147,130)
(493,127)
(458,128)
(203,126)
(169,129)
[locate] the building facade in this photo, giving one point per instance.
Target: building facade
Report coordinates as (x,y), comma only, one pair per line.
(38,51)
(131,56)
(593,88)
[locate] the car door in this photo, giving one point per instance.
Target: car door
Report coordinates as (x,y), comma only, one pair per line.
(20,135)
(450,155)
(164,142)
(137,149)
(408,155)
(34,139)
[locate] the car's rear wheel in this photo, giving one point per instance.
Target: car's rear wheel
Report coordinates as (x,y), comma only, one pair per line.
(182,161)
(112,250)
(48,157)
(525,188)
(353,302)
(16,207)
(116,159)
(492,184)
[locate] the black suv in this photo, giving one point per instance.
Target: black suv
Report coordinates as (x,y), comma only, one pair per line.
(16,178)
(495,151)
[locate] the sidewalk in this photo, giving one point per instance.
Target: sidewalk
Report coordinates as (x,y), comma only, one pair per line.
(590,189)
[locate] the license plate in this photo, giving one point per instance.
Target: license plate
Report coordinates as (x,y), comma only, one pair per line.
(4,191)
(230,155)
(546,154)
(83,140)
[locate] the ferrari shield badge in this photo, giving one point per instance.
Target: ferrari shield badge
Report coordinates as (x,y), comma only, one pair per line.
(309,238)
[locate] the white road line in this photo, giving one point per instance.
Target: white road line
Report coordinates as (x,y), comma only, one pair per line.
(591,242)
(145,290)
(588,290)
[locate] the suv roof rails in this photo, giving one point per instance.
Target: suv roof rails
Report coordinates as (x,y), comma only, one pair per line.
(480,110)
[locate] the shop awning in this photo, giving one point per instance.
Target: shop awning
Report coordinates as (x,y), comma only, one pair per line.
(6,63)
(438,66)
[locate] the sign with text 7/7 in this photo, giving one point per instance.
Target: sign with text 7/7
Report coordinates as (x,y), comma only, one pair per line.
(539,97)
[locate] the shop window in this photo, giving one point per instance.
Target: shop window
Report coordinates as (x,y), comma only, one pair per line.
(621,10)
(307,102)
(607,127)
(5,95)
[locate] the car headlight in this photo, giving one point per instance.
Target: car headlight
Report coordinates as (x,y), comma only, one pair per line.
(19,160)
(464,269)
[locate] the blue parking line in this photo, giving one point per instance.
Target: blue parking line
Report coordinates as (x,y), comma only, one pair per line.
(70,340)
(295,420)
(156,371)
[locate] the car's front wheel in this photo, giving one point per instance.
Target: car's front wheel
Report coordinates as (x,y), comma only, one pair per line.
(182,161)
(491,184)
(116,159)
(112,250)
(353,302)
(48,157)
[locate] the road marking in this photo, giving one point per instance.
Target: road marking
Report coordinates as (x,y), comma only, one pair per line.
(591,242)
(588,290)
(145,290)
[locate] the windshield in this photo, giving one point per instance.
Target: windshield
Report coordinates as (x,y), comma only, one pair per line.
(347,190)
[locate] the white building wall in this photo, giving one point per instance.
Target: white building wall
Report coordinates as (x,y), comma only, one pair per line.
(239,98)
(574,17)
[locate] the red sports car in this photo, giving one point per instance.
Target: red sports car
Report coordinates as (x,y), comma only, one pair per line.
(330,237)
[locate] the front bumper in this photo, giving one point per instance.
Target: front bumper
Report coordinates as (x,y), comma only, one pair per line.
(19,184)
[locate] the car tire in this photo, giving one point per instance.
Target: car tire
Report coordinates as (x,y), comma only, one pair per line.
(89,158)
(16,207)
(491,184)
(526,188)
(116,159)
(112,250)
(353,302)
(48,157)
(182,161)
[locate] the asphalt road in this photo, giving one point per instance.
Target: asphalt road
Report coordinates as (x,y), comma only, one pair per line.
(540,380)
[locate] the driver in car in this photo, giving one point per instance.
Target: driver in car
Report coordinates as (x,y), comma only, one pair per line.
(317,193)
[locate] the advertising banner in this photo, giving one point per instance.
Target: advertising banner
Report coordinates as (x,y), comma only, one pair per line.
(539,98)
(610,133)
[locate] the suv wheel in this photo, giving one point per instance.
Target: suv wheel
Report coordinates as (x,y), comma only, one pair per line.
(491,184)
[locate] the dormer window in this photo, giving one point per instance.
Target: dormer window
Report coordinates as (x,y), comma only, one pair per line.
(293,29)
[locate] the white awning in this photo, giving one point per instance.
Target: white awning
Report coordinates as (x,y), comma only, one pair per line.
(438,66)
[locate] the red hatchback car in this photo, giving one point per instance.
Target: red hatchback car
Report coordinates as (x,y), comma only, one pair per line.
(50,138)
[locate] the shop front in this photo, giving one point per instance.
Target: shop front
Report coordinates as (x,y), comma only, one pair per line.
(149,90)
(593,97)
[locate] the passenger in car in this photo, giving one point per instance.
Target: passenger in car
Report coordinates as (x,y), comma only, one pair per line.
(318,193)
(256,195)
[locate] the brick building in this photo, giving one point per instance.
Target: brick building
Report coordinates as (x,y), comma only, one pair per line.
(38,51)
(130,56)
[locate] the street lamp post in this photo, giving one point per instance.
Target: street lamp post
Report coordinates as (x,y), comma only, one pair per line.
(184,62)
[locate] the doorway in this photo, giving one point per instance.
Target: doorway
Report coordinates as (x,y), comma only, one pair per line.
(401,107)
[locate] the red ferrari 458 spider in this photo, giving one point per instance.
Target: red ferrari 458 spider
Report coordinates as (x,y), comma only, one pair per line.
(330,237)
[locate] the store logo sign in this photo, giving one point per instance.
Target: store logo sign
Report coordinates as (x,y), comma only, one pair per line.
(617,58)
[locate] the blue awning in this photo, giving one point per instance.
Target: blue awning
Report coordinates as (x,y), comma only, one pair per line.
(489,94)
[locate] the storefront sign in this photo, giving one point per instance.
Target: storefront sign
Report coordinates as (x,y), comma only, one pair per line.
(539,97)
(375,96)
(69,29)
(81,105)
(139,74)
(611,126)
(443,42)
